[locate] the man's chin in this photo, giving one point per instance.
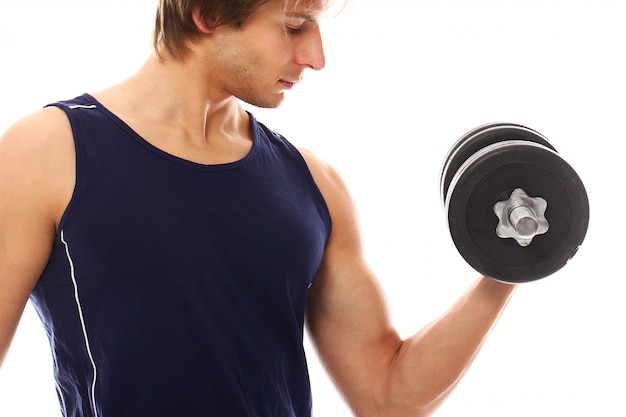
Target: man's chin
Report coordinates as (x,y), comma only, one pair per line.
(267,103)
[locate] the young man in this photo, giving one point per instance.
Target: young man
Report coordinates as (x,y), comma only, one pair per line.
(172,244)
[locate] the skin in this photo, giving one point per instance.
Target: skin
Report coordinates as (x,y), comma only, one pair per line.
(192,109)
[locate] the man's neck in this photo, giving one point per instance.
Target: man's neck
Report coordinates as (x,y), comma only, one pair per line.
(171,106)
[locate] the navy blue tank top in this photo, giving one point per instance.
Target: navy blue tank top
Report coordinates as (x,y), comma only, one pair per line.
(176,288)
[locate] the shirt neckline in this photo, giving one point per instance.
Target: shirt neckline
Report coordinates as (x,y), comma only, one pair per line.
(254,127)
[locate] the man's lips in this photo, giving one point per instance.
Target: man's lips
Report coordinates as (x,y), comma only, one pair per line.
(288,84)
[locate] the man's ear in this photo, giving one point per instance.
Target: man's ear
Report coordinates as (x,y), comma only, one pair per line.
(201,24)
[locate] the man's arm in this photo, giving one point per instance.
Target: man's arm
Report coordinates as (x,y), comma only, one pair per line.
(379,373)
(36,182)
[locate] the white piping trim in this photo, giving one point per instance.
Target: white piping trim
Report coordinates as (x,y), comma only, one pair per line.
(82,322)
(82,106)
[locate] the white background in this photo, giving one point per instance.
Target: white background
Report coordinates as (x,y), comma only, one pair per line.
(405,79)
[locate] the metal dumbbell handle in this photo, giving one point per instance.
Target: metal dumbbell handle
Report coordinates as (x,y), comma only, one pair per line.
(521,217)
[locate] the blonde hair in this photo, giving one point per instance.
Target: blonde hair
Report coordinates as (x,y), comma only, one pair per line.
(175,26)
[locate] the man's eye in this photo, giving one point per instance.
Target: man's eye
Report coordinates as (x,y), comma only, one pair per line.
(294,24)
(293,30)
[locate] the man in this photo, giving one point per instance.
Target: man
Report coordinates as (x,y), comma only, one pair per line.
(171,243)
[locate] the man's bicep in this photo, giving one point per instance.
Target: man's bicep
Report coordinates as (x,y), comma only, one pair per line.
(25,242)
(347,314)
(30,199)
(349,324)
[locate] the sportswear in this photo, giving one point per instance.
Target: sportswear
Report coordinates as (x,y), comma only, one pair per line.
(176,288)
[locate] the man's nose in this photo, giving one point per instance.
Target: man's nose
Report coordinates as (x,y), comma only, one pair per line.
(311,51)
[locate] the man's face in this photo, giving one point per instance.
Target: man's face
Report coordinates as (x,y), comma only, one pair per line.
(269,53)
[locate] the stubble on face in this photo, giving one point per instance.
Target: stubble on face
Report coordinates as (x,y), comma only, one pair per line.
(244,70)
(255,60)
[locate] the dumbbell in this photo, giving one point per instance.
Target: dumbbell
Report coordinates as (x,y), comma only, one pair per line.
(516,210)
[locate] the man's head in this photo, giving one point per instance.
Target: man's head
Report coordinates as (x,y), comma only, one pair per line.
(175,25)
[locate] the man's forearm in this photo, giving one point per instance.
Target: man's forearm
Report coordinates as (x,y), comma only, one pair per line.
(429,364)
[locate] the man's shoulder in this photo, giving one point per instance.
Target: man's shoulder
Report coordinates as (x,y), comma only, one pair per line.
(36,132)
(37,152)
(327,178)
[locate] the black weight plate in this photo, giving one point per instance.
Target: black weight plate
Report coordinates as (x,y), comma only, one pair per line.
(490,176)
(479,138)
